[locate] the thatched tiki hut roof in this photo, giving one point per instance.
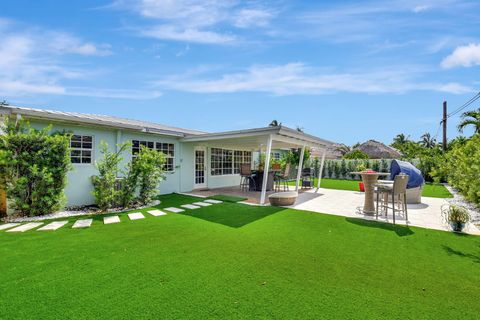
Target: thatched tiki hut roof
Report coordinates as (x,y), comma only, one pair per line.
(378,150)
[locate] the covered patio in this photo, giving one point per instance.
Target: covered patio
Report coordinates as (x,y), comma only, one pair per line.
(262,140)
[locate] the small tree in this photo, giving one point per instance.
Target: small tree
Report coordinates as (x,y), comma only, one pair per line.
(149,168)
(105,188)
(33,167)
(343,168)
(384,166)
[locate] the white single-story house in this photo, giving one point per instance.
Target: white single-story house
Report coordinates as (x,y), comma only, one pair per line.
(195,159)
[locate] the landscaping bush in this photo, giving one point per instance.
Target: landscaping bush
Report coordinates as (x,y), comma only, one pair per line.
(149,167)
(355,154)
(462,167)
(142,175)
(33,167)
(105,188)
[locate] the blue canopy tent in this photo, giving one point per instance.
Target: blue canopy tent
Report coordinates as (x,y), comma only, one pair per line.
(415,178)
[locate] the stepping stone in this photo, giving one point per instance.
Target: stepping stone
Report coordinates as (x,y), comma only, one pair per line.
(202,204)
(84,223)
(157,213)
(174,210)
(111,219)
(26,227)
(53,226)
(136,216)
(8,225)
(213,201)
(189,206)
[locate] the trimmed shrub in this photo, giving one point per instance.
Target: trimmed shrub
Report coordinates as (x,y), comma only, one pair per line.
(149,167)
(105,184)
(33,167)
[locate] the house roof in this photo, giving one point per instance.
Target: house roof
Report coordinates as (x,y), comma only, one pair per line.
(283,137)
(378,150)
(98,120)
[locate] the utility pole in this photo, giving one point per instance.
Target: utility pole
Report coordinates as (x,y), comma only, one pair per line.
(444,122)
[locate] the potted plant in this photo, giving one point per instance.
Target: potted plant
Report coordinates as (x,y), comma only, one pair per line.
(456,216)
(361,168)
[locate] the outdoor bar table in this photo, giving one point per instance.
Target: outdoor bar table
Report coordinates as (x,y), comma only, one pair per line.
(369,179)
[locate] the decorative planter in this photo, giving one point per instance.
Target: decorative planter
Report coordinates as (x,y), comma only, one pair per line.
(457,226)
(361,185)
(283,199)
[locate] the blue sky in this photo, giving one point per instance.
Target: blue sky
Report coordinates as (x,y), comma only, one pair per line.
(347,71)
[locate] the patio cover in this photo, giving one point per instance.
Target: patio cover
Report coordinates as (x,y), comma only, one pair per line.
(264,139)
(415,178)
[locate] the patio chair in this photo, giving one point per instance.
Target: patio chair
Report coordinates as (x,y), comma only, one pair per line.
(397,191)
(282,179)
(246,177)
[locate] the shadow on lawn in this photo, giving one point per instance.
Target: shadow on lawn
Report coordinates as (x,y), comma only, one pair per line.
(232,214)
(451,251)
(401,231)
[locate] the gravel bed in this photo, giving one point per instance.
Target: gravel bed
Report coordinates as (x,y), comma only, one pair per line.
(74,213)
(460,200)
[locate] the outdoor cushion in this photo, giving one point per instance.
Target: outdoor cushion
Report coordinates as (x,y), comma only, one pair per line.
(415,178)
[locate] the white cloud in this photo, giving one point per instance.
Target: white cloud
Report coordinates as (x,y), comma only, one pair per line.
(170,32)
(420,8)
(32,62)
(200,21)
(246,18)
(464,56)
(298,78)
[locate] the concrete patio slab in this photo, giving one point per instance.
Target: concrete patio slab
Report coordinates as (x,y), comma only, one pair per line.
(202,204)
(53,226)
(157,213)
(83,223)
(8,226)
(136,216)
(190,206)
(350,203)
(26,227)
(173,209)
(213,201)
(111,219)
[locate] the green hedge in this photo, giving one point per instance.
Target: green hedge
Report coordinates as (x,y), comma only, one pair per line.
(33,168)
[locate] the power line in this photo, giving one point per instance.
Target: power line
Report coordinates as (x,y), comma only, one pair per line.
(463,106)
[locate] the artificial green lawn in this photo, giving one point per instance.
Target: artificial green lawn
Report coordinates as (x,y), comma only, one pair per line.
(227,198)
(429,190)
(231,261)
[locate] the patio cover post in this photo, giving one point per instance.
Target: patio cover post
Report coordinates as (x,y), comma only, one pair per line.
(266,167)
(321,168)
(300,165)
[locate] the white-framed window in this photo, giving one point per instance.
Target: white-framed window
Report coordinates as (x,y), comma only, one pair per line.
(225,161)
(241,157)
(81,149)
(166,148)
(276,156)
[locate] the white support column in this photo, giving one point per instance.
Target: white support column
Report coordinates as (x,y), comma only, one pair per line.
(321,169)
(299,171)
(266,167)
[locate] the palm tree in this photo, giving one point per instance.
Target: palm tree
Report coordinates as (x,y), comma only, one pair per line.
(343,149)
(275,123)
(470,118)
(400,139)
(427,141)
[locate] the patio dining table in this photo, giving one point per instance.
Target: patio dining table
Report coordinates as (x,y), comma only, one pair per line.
(369,179)
(257,182)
